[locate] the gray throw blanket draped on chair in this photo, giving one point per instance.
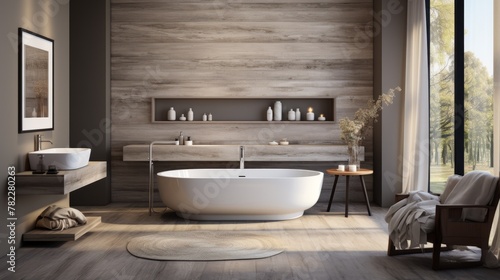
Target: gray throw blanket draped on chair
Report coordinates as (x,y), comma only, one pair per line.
(411,219)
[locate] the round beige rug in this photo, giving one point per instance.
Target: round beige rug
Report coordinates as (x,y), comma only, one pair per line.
(204,246)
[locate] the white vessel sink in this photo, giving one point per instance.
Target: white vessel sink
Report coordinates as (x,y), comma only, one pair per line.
(62,158)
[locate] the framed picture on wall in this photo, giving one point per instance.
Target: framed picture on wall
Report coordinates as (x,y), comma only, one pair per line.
(36,82)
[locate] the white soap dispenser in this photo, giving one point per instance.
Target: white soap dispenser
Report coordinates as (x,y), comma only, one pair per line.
(190,115)
(269,114)
(171,114)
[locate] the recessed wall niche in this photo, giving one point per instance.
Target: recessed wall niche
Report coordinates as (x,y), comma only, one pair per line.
(241,109)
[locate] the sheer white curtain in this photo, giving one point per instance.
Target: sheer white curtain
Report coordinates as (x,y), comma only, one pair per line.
(493,258)
(416,113)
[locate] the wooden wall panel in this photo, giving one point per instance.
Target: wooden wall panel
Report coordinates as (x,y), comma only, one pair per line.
(196,48)
(244,11)
(235,32)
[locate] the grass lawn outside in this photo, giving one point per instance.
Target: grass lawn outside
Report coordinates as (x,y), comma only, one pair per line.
(440,173)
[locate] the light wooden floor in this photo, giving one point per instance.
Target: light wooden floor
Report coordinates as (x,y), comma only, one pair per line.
(319,245)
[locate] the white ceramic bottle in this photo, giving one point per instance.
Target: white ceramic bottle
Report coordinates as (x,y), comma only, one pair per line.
(204,118)
(297,114)
(269,114)
(291,115)
(277,111)
(171,114)
(190,116)
(209,117)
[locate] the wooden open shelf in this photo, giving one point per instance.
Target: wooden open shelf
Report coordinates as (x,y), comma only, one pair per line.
(70,234)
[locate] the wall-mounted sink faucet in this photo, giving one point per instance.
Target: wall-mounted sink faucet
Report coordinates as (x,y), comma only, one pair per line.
(242,157)
(39,141)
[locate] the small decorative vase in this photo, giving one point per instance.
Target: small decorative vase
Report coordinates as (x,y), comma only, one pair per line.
(39,110)
(353,151)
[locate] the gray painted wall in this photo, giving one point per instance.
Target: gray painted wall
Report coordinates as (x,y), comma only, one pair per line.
(90,91)
(50,19)
(389,72)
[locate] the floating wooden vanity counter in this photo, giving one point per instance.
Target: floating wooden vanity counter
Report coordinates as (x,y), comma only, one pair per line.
(232,153)
(62,183)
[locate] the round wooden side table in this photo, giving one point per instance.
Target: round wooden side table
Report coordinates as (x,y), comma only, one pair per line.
(360,172)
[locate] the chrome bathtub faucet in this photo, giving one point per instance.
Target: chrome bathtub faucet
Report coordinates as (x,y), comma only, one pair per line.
(242,157)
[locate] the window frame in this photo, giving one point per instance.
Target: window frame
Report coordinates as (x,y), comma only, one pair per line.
(459,89)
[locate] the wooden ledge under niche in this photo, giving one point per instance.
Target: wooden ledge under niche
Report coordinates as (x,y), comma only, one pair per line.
(292,152)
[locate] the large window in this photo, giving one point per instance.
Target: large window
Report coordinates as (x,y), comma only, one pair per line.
(461,88)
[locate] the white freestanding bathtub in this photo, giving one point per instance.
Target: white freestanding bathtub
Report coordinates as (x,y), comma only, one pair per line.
(240,194)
